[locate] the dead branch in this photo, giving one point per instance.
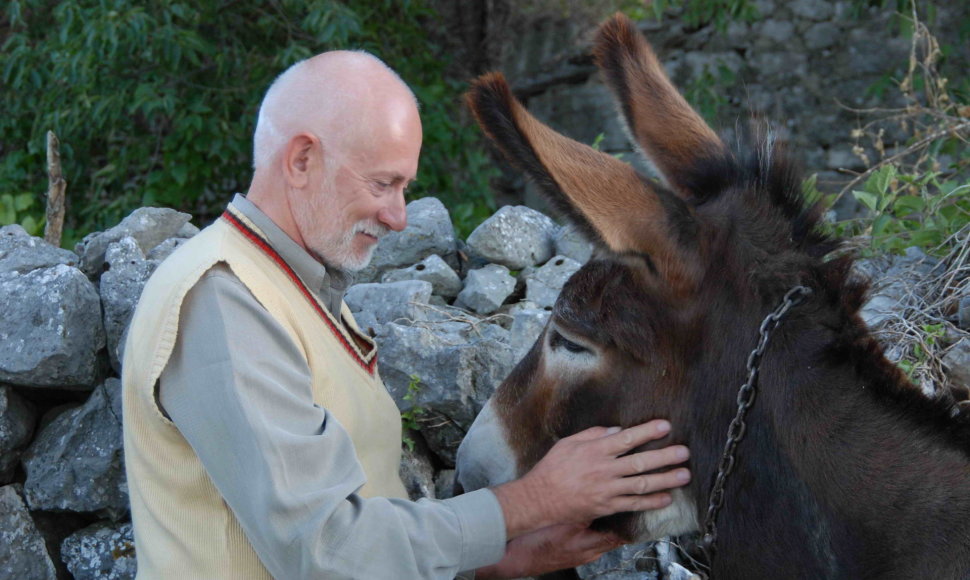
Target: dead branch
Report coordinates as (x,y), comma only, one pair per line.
(56,187)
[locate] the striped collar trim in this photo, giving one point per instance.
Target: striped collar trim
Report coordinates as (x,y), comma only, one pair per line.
(248,229)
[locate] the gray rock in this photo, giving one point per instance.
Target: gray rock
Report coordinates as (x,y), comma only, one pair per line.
(417,471)
(121,288)
(165,249)
(545,283)
(22,550)
(52,331)
(963,315)
(822,35)
(374,305)
(429,231)
(817,10)
(957,361)
(76,462)
(882,307)
(457,367)
(102,551)
(444,281)
(894,282)
(515,237)
(444,484)
(149,226)
(779,31)
(486,289)
(21,253)
(621,564)
(17,419)
(527,325)
(570,242)
(55,527)
(188,230)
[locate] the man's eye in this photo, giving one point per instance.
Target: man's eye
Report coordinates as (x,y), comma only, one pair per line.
(559,341)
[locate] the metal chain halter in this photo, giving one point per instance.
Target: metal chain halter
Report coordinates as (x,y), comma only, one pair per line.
(738,427)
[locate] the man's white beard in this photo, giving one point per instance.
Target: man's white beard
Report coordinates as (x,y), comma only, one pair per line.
(334,251)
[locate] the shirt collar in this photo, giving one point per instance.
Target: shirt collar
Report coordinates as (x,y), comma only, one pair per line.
(329,284)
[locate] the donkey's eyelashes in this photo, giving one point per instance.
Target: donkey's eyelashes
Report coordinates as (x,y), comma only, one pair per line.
(557,340)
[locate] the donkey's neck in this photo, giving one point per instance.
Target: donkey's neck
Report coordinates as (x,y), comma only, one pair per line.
(870,489)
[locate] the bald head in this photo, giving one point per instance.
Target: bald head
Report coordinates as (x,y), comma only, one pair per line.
(347,99)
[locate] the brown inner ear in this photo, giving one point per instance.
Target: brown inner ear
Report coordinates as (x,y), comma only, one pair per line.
(609,193)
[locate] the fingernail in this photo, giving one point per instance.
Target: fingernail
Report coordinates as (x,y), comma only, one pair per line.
(682,475)
(681,453)
(663,427)
(613,430)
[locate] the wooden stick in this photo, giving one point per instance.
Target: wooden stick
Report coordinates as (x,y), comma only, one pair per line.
(55,192)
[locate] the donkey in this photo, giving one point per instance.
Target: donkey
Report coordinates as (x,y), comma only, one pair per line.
(845,470)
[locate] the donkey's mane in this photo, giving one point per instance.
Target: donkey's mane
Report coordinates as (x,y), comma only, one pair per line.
(763,172)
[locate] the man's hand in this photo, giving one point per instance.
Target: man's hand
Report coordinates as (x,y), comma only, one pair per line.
(550,549)
(584,477)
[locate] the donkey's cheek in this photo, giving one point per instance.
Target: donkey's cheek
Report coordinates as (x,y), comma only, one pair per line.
(484,456)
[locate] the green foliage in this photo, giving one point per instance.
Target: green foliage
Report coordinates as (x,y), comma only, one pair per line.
(155,103)
(410,419)
(706,92)
(932,336)
(696,13)
(17,209)
(912,209)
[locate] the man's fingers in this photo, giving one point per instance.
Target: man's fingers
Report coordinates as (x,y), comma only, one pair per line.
(626,439)
(649,460)
(647,484)
(639,503)
(594,433)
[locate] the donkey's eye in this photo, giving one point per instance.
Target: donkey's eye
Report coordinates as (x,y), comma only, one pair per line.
(559,341)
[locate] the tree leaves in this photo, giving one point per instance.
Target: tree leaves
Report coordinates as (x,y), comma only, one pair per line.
(157,101)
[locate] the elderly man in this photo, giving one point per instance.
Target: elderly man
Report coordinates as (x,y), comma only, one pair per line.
(259,439)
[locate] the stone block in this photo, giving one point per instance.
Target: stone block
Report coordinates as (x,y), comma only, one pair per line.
(23,553)
(545,283)
(103,551)
(443,279)
(570,242)
(17,420)
(149,226)
(486,289)
(527,325)
(121,287)
(76,463)
(514,237)
(957,362)
(429,231)
(52,332)
(817,10)
(21,253)
(822,35)
(374,305)
(445,370)
(417,469)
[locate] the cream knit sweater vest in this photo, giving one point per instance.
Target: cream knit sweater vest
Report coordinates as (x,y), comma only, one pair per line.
(183,528)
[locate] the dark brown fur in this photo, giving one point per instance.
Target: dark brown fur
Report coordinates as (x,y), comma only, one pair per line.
(847,471)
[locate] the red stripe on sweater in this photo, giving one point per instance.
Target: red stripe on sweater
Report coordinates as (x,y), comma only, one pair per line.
(268,250)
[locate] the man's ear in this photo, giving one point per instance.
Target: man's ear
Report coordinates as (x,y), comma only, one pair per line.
(298,159)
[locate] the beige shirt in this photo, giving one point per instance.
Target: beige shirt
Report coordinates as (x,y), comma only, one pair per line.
(234,387)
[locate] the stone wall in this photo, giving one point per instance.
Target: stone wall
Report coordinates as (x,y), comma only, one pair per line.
(811,67)
(451,318)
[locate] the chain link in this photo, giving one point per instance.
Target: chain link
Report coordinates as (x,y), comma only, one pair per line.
(738,427)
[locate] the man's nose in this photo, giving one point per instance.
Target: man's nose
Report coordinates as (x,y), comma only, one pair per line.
(394,215)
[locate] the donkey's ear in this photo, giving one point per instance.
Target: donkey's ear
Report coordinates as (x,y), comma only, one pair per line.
(688,153)
(600,194)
